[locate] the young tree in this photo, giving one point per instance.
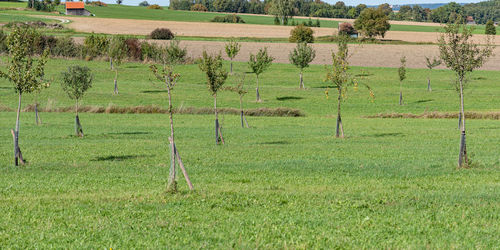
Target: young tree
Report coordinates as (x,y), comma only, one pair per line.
(460,54)
(372,22)
(167,75)
(232,50)
(430,65)
(301,56)
(341,79)
(241,91)
(402,77)
(117,52)
(75,82)
(216,76)
(258,64)
(490,28)
(23,72)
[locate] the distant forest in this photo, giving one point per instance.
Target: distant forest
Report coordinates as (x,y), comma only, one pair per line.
(482,12)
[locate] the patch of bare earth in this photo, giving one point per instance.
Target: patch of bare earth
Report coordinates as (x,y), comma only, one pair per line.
(368,55)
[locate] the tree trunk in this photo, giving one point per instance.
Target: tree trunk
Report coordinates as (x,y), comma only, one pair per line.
(257,90)
(116,82)
(218,130)
(38,120)
(242,114)
(172,184)
(17,150)
(301,84)
(111,63)
(340,129)
(462,157)
(78,125)
(429,88)
(400,93)
(231,66)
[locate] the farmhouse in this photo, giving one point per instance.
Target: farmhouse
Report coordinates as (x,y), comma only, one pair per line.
(76,9)
(470,20)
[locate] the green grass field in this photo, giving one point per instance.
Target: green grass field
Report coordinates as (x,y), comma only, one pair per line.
(283,183)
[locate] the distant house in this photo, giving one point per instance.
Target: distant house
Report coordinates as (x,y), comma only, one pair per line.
(470,20)
(76,9)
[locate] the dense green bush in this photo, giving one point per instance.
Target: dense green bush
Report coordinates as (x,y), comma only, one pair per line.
(95,45)
(162,34)
(66,47)
(155,7)
(490,28)
(3,45)
(199,7)
(149,52)
(308,23)
(228,19)
(301,34)
(144,4)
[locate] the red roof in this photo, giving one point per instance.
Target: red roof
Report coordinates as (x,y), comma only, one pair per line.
(75,5)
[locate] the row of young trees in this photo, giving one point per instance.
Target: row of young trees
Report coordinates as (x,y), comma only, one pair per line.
(458,52)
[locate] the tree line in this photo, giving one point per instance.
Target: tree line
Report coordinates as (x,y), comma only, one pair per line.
(481,12)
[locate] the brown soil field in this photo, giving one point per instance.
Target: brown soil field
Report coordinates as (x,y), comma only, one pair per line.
(366,55)
(144,27)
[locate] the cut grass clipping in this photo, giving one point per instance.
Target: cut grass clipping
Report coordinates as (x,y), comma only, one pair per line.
(154,109)
(441,115)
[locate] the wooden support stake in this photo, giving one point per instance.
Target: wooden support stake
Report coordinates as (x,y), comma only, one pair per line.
(181,165)
(18,155)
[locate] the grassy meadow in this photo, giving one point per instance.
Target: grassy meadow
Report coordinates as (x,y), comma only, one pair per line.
(286,182)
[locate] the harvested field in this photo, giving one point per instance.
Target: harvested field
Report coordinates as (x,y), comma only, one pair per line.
(368,55)
(144,27)
(379,55)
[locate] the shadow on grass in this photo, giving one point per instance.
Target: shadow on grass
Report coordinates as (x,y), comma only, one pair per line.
(130,133)
(386,135)
(153,91)
(324,87)
(286,98)
(119,157)
(424,101)
(275,143)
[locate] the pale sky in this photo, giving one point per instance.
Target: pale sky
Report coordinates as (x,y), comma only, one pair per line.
(347,2)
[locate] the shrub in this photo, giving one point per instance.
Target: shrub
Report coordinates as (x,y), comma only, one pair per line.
(155,7)
(199,7)
(98,3)
(66,47)
(228,19)
(3,45)
(490,28)
(149,52)
(133,48)
(95,45)
(301,34)
(346,29)
(144,4)
(162,34)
